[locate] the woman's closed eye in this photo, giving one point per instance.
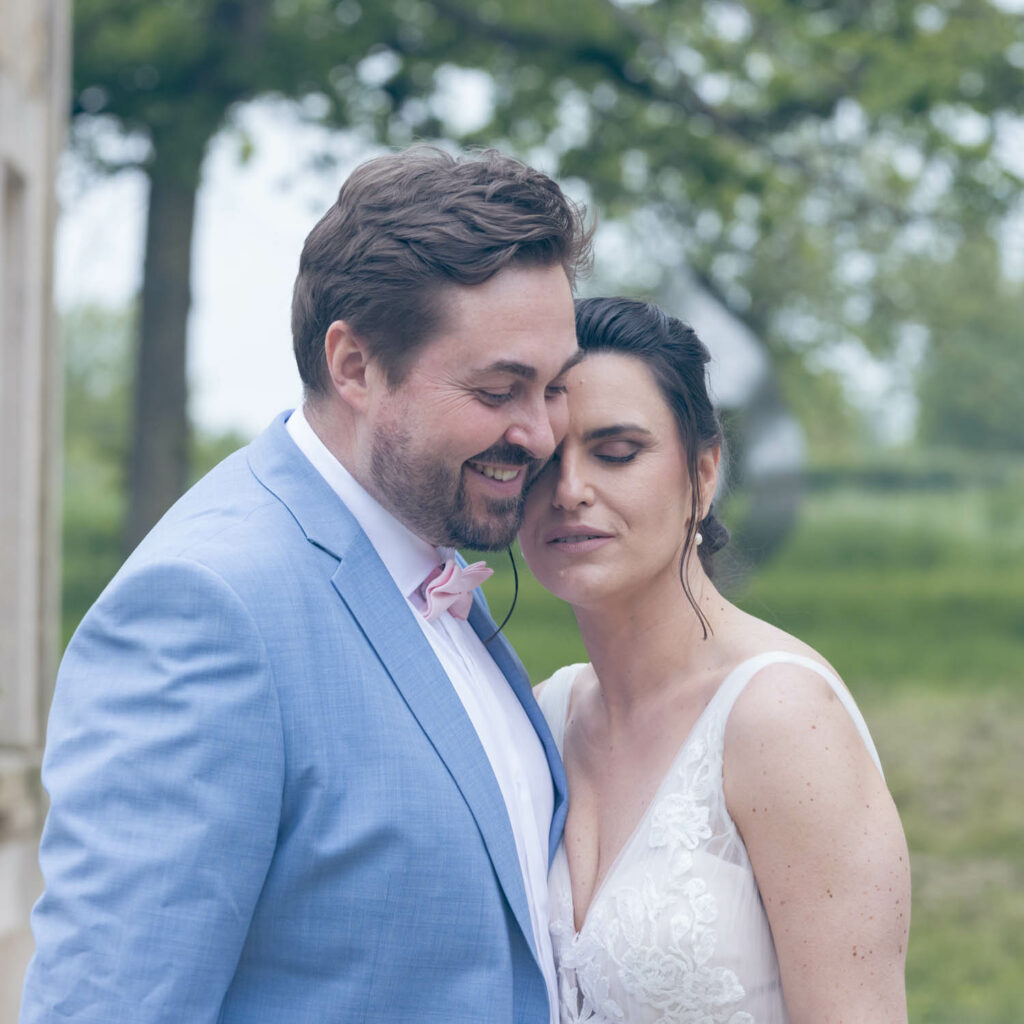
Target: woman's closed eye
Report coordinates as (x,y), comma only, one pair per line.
(617,451)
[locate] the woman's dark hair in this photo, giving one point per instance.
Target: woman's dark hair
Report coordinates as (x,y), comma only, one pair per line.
(677,359)
(407,224)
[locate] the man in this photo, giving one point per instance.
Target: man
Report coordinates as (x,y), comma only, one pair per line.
(280,792)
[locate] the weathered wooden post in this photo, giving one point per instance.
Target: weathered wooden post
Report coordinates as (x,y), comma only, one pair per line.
(34,84)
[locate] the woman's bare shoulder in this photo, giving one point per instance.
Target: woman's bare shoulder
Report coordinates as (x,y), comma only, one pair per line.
(790,721)
(825,843)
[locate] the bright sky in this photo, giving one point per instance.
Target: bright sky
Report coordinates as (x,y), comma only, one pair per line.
(250,225)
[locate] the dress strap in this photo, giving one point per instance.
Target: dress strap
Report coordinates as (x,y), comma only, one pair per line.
(554,699)
(737,679)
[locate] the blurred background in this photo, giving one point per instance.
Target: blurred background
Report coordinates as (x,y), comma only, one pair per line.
(830,192)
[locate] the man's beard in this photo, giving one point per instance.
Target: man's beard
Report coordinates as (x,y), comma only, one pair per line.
(430,497)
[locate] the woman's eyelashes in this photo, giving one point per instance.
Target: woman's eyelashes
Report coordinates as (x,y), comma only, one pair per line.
(614,452)
(617,451)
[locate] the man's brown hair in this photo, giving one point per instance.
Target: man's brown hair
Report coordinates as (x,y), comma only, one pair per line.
(408,223)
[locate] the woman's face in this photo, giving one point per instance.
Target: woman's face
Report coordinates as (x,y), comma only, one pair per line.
(610,513)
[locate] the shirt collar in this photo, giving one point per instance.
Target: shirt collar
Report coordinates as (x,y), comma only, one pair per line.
(406,557)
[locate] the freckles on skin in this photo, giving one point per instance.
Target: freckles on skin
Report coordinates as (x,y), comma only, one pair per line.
(826,846)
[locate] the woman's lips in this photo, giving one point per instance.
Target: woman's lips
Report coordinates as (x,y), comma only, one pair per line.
(576,539)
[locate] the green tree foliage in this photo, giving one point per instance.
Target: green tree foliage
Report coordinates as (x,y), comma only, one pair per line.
(97,345)
(798,157)
(167,76)
(972,371)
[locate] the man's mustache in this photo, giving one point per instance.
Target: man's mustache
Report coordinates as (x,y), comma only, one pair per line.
(507,455)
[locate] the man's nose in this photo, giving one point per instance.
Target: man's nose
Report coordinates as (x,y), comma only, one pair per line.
(534,431)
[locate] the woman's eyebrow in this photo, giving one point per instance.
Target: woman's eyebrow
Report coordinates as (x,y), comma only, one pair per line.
(614,430)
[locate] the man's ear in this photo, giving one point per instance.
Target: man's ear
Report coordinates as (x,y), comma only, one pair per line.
(348,361)
(707,476)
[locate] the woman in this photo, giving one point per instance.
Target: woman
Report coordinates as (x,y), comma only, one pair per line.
(731,854)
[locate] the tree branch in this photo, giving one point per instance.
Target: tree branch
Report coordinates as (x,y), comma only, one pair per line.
(748,129)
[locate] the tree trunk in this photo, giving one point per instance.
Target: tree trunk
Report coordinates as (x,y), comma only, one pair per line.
(158,466)
(769,449)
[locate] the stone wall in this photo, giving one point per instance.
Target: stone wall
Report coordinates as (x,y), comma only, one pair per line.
(34,71)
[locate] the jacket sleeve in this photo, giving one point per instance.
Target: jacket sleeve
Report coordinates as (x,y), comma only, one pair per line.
(165,770)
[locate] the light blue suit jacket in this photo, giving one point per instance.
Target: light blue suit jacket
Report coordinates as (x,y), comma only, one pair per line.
(267,801)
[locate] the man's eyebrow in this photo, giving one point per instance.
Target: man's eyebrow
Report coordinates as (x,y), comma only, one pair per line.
(614,430)
(521,370)
(526,372)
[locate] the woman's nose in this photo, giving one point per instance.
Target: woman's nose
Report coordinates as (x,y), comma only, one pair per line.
(571,486)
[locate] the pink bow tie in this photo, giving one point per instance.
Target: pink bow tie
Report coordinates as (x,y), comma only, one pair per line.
(449,587)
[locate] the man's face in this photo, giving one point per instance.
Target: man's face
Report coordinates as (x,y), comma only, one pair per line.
(480,410)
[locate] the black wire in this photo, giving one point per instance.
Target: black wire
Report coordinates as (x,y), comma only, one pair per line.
(515,596)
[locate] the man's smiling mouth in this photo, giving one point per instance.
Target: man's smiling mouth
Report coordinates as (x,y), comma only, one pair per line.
(494,473)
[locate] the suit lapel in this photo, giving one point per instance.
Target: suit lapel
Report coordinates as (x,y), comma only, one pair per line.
(366,587)
(410,661)
(512,668)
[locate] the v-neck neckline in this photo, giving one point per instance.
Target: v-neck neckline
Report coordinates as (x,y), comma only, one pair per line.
(656,797)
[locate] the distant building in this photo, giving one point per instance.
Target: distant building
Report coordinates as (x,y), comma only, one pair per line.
(34,88)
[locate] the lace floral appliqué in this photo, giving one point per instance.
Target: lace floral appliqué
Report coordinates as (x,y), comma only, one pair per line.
(651,935)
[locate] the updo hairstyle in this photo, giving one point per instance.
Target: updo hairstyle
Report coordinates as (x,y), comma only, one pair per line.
(677,359)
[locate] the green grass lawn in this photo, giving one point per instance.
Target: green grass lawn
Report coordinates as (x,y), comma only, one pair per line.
(901,589)
(917,597)
(954,763)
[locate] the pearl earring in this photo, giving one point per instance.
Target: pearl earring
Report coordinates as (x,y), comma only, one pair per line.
(698,539)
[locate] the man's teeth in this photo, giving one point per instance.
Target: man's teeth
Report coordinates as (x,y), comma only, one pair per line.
(504,475)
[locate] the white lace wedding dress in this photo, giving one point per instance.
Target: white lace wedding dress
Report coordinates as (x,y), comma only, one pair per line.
(676,933)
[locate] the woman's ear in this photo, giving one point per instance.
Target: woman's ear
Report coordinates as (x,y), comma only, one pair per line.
(707,476)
